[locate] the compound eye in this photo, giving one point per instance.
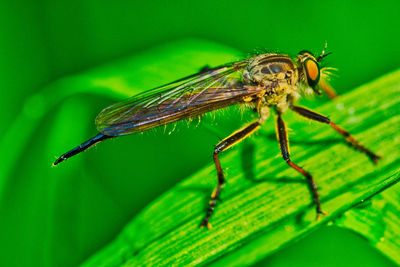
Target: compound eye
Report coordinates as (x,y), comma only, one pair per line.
(312,72)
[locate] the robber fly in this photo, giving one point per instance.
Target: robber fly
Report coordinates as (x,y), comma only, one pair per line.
(263,82)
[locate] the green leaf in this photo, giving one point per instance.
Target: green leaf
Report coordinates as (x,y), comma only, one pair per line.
(116,80)
(378,221)
(80,204)
(265,204)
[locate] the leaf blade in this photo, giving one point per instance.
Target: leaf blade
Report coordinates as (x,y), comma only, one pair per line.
(167,231)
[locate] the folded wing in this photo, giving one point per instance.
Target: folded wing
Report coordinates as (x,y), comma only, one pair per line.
(189,97)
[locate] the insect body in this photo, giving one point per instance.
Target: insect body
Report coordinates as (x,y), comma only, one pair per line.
(267,81)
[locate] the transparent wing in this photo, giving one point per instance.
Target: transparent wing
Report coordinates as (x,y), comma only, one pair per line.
(188,97)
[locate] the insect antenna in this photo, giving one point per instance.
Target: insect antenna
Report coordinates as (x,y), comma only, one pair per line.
(323,53)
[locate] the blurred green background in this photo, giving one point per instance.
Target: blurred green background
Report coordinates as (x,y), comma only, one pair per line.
(60,216)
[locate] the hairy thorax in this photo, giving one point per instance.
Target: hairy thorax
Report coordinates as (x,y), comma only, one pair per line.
(277,74)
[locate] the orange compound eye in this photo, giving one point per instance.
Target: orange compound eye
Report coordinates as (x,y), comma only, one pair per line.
(312,72)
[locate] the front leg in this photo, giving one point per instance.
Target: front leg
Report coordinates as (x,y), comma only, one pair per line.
(349,138)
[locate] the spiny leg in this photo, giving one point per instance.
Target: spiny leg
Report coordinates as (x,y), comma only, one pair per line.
(284,147)
(228,142)
(349,138)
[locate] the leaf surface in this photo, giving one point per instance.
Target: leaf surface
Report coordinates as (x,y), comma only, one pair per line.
(265,204)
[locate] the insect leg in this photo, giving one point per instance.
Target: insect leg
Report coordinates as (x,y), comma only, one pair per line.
(284,147)
(205,69)
(349,138)
(91,142)
(228,142)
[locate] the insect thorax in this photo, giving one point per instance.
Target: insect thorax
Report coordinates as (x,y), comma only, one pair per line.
(277,73)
